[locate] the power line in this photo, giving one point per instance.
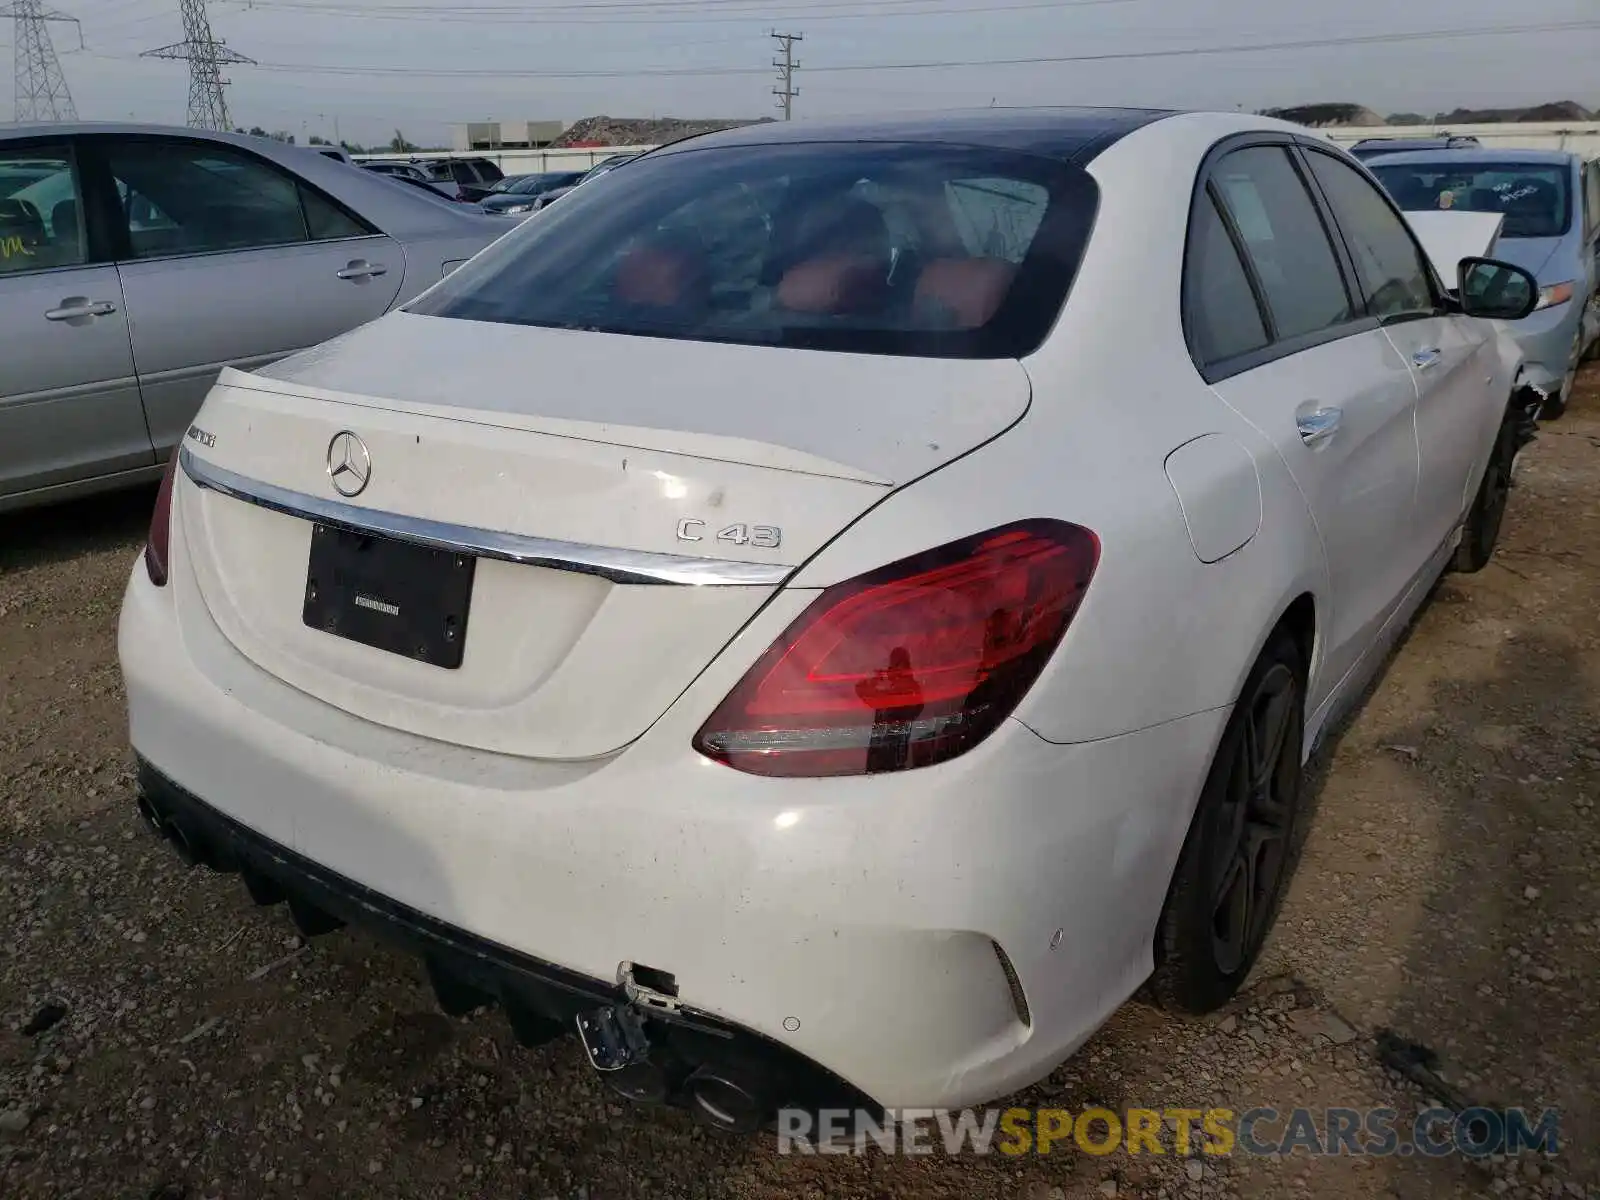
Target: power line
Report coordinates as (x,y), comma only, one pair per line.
(206,56)
(848,68)
(650,14)
(787,66)
(40,91)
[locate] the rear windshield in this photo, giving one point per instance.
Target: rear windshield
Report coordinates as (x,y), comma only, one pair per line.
(931,250)
(1534,197)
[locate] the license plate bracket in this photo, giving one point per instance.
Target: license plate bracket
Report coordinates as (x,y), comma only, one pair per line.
(391,595)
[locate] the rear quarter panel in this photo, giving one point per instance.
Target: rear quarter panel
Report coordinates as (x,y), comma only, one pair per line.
(1160,634)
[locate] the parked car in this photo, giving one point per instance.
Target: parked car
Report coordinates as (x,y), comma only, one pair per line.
(465,179)
(214,249)
(1369,148)
(604,166)
(1550,201)
(389,166)
(517,196)
(421,187)
(903,645)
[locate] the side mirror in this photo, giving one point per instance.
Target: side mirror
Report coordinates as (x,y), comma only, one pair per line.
(1497,290)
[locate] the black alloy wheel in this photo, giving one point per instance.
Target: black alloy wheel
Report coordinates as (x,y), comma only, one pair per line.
(1243,842)
(1252,821)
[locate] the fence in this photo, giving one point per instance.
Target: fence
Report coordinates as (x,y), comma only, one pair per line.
(1578,137)
(520,162)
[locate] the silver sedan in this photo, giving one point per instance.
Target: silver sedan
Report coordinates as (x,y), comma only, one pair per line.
(138,261)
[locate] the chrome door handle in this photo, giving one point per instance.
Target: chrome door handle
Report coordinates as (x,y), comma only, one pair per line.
(361,269)
(1427,357)
(1319,425)
(76,307)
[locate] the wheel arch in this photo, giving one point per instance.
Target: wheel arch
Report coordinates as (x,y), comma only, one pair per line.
(1297,617)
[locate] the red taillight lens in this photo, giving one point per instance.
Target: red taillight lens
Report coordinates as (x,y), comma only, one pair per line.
(160,539)
(910,665)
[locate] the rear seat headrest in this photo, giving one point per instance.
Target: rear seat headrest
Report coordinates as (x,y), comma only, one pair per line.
(834,285)
(965,292)
(663,276)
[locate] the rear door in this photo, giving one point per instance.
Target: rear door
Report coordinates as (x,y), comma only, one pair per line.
(69,402)
(1281,336)
(1457,416)
(226,259)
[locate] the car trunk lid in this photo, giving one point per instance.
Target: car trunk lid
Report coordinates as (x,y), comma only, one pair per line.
(625,487)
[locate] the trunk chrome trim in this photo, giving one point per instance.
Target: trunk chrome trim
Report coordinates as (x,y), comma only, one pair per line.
(608,562)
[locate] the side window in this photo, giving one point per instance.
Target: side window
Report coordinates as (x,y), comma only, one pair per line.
(1284,239)
(997,218)
(325,221)
(41,219)
(201,197)
(1220,308)
(1592,190)
(1393,273)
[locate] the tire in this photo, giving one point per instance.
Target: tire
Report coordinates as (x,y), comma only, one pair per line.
(1243,843)
(1482,530)
(1555,408)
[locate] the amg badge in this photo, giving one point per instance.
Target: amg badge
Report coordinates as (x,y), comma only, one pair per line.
(763,537)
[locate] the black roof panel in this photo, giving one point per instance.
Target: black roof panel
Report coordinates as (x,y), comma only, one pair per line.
(1076,134)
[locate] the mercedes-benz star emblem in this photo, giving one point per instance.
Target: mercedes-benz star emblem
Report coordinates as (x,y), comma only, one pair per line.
(349,464)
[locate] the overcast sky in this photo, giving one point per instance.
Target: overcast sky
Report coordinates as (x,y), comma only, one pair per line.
(539,37)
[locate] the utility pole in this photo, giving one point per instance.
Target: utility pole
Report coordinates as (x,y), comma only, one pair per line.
(206,56)
(41,89)
(787,66)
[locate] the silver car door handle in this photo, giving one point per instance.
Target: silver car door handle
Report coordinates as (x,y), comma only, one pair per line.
(1427,357)
(1320,425)
(75,307)
(363,270)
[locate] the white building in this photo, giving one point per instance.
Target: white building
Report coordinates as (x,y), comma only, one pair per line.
(505,135)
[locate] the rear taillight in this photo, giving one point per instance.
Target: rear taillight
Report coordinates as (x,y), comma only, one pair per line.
(910,665)
(159,542)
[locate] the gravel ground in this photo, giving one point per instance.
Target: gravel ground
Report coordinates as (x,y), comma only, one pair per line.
(162,1038)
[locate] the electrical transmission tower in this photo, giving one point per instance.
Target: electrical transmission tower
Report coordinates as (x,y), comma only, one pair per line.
(787,66)
(41,88)
(206,56)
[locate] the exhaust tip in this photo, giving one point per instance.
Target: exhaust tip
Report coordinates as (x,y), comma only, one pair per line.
(149,815)
(642,1083)
(180,842)
(724,1103)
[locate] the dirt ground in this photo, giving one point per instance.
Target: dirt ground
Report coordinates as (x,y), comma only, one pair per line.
(1449,891)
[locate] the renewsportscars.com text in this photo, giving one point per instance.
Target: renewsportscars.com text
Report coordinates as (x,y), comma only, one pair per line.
(1380,1132)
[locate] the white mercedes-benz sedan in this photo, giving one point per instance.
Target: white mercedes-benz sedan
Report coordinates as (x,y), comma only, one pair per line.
(827,613)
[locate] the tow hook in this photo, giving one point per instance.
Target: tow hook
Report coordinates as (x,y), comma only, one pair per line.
(614,1036)
(648,988)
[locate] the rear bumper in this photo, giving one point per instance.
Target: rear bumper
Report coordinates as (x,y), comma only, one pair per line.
(852,924)
(541,1000)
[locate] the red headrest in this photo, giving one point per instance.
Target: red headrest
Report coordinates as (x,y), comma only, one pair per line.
(833,285)
(662,277)
(969,290)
